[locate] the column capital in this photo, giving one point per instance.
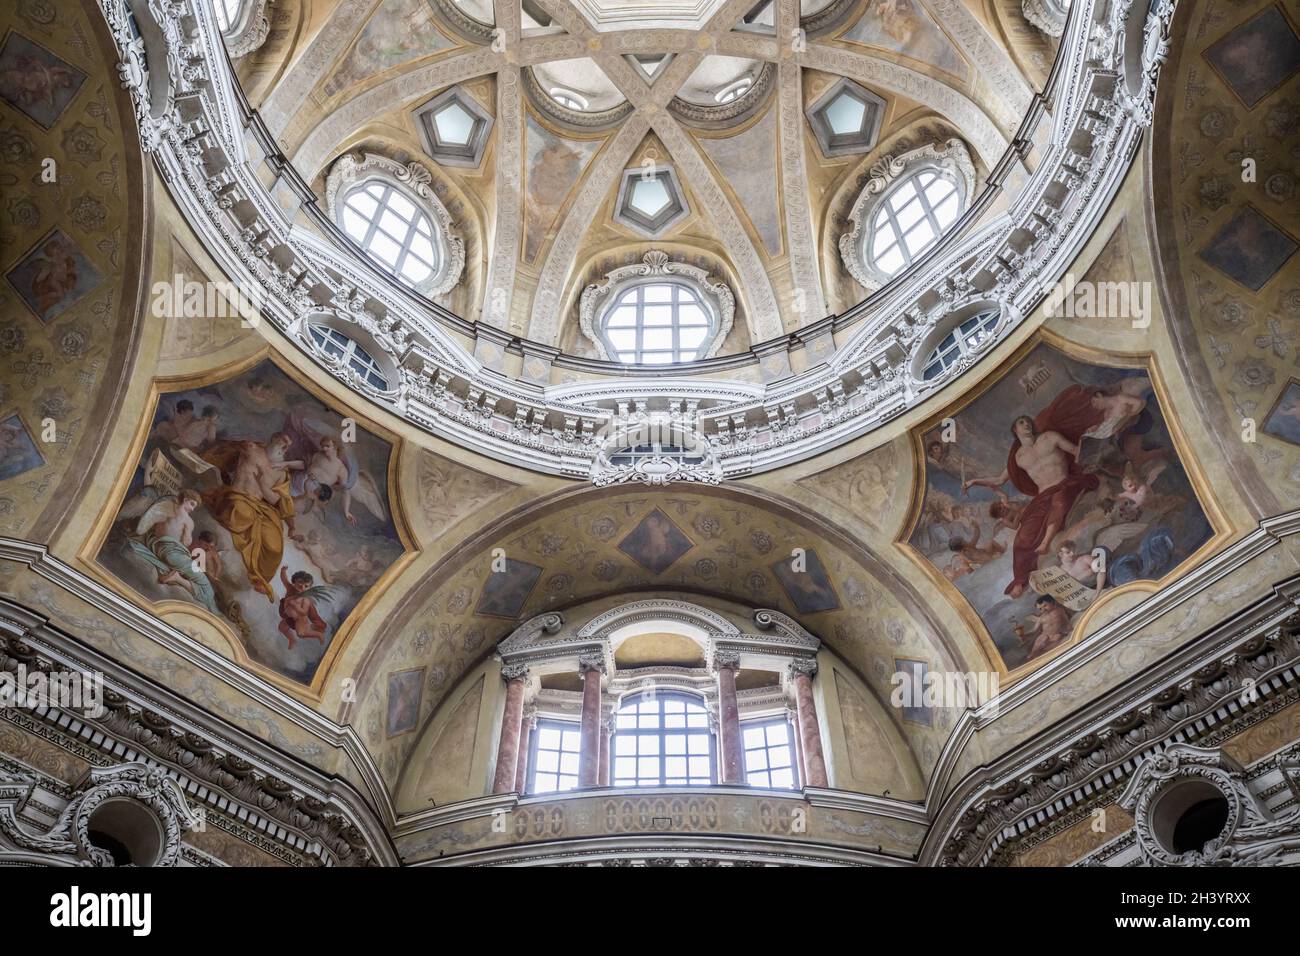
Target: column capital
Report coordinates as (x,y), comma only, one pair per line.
(726,659)
(591,662)
(511,672)
(805,666)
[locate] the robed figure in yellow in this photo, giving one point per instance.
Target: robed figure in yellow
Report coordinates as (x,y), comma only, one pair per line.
(255,503)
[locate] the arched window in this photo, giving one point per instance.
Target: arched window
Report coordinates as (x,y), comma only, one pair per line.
(393,230)
(392,211)
(962,340)
(569,99)
(657,323)
(662,740)
(227,13)
(338,346)
(734,91)
(905,207)
(913,215)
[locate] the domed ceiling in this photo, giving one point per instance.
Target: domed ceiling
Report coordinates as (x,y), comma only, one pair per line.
(573,100)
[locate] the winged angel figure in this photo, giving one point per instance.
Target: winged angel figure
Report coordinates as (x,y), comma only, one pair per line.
(331,470)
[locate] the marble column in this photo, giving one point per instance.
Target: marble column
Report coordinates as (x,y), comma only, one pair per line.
(792,717)
(592,668)
(810,735)
(732,763)
(516,677)
(526,728)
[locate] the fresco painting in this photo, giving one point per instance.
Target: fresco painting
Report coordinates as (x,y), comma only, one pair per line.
(399,32)
(904,26)
(52,276)
(35,81)
(1057,484)
(256,502)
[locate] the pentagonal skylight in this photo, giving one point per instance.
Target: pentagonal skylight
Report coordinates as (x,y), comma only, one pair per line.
(846,118)
(649,196)
(454,124)
(454,128)
(650,200)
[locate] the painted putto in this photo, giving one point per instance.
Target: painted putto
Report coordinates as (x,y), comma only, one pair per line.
(256,502)
(1060,482)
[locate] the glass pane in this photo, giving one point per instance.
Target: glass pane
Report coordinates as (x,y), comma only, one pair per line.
(753,737)
(422,247)
(647,744)
(675,766)
(778,734)
(699,766)
(363,202)
(569,763)
(401,205)
(783,778)
(698,719)
(675,720)
(622,339)
(415,271)
(756,779)
(845,114)
(692,338)
(658,358)
(779,757)
(647,766)
(657,339)
(355,225)
(661,315)
(884,239)
(675,744)
(690,314)
(891,261)
(624,315)
(649,196)
(946,212)
(454,124)
(756,759)
(910,215)
(920,237)
(548,761)
(699,744)
(385,249)
(625,766)
(657,293)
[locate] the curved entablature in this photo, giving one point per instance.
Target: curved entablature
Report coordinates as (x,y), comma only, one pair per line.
(1013,242)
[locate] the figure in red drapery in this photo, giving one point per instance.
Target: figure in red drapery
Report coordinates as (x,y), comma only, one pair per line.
(1043,464)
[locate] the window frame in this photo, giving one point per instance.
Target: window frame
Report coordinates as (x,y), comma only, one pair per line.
(374,226)
(958,338)
(348,353)
(950,160)
(755,723)
(661,732)
(682,294)
(535,747)
(600,298)
(885,213)
(414,183)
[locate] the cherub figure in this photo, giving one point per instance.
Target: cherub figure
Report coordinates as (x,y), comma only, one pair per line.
(163,537)
(299,619)
(1051,626)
